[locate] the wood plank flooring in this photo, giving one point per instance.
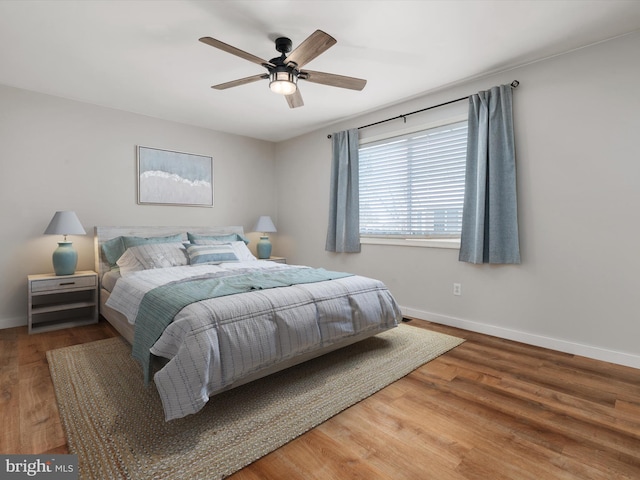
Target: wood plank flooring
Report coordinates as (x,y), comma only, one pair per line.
(488,409)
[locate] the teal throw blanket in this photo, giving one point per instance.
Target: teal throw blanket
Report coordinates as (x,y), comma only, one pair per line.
(160,305)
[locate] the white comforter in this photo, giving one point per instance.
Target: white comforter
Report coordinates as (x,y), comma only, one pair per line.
(213,343)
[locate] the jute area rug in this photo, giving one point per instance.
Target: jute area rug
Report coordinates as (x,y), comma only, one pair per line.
(116,425)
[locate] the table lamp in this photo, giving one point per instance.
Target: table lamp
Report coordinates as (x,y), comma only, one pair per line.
(65,258)
(264,225)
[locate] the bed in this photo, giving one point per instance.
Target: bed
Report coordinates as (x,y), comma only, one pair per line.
(203,315)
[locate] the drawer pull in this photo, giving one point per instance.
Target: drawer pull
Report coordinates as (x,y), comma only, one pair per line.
(67,283)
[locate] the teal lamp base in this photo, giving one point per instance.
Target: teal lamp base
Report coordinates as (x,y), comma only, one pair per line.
(264,248)
(65,259)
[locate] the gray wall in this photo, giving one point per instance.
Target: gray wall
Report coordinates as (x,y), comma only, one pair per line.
(57,154)
(577,121)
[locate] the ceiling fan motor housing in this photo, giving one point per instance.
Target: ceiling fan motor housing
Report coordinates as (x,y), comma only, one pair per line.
(283,45)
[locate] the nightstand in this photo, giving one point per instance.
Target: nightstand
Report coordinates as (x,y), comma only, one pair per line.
(64,301)
(278,259)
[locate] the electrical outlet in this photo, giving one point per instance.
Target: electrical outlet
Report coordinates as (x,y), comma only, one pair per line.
(457,289)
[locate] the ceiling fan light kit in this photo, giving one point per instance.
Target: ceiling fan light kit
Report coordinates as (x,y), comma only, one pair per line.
(283,83)
(282,78)
(286,70)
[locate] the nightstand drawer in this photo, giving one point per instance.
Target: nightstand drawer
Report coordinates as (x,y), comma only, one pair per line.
(63,283)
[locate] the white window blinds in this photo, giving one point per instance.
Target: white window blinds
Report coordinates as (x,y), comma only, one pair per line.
(413,185)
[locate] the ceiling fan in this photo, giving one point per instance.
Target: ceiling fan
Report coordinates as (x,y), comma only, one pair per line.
(285,71)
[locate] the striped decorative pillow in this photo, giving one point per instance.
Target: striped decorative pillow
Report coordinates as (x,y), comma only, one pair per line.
(211,254)
(152,255)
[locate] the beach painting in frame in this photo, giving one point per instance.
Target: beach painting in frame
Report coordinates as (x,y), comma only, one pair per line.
(174,178)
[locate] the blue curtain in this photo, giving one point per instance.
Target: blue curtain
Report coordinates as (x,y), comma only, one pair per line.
(490,217)
(343,234)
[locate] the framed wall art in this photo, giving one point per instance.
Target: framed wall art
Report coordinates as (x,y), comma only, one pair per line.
(174,178)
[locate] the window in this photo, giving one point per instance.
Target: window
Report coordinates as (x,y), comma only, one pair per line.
(412,186)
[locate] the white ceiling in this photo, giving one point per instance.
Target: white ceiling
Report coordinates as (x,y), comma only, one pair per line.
(144,56)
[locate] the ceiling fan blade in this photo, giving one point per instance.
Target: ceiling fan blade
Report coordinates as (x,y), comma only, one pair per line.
(333,80)
(241,81)
(235,51)
(315,44)
(295,99)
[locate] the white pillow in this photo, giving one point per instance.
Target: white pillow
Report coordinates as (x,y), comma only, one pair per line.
(128,263)
(152,255)
(242,251)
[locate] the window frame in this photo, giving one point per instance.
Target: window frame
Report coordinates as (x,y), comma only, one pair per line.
(397,240)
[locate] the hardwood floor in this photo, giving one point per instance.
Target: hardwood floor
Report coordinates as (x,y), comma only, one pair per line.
(28,410)
(488,409)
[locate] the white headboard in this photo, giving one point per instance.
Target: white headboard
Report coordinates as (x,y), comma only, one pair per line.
(102,234)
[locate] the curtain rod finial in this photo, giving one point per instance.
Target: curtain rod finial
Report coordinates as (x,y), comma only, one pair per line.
(515,84)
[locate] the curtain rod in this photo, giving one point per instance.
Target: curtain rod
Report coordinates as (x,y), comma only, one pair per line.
(513,84)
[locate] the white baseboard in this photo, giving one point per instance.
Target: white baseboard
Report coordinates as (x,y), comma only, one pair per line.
(589,351)
(10,322)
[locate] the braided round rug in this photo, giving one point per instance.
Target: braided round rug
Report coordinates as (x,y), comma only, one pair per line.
(116,425)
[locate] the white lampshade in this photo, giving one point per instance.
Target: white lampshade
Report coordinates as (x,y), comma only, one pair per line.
(265,225)
(65,223)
